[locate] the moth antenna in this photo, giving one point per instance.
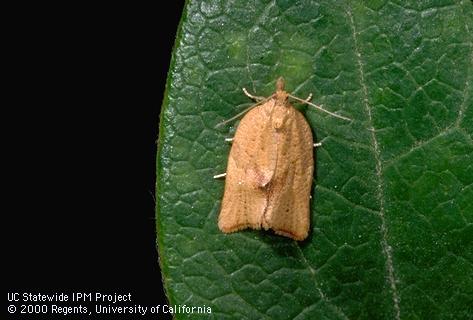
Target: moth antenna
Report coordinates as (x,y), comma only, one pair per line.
(249,95)
(320,108)
(243,112)
(236,117)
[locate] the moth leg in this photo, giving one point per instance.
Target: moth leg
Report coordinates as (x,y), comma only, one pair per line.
(229,139)
(256,98)
(318,144)
(218,176)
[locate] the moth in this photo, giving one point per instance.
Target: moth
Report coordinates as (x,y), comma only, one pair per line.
(270,168)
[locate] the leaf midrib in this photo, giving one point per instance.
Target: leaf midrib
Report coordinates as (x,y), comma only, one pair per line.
(387,249)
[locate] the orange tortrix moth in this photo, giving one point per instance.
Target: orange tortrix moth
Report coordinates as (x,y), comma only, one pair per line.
(270,168)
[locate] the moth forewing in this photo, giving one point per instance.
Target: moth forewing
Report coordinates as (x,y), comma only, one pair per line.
(269,172)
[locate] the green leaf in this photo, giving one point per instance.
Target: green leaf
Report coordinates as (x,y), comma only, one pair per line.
(392,206)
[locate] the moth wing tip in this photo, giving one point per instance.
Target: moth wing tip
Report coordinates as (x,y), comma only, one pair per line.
(234,227)
(298,236)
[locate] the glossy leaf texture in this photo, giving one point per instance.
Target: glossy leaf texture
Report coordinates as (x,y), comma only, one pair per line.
(392,203)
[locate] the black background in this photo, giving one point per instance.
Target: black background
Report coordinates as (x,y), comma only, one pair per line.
(86,87)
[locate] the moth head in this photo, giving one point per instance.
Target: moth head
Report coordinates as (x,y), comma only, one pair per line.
(281,95)
(280,84)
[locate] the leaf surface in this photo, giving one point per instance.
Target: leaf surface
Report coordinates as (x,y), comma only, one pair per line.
(392,204)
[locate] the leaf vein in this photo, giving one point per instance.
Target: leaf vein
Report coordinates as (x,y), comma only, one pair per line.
(323,297)
(466,88)
(343,198)
(419,145)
